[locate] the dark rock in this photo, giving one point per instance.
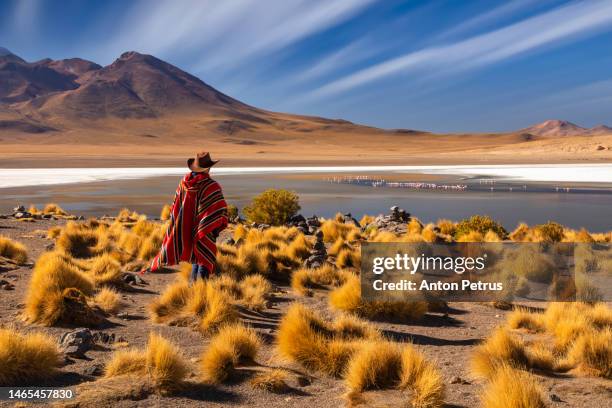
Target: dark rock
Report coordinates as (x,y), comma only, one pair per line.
(6,285)
(95,370)
(133,279)
(103,338)
(49,247)
(313,221)
(80,218)
(319,246)
(555,398)
(47,216)
(77,342)
(19,208)
(600,147)
(296,219)
(459,380)
(22,214)
(303,381)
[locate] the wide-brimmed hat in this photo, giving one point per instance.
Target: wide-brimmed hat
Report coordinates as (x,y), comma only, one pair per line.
(204,161)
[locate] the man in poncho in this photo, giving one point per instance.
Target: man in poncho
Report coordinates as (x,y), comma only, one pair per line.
(198,215)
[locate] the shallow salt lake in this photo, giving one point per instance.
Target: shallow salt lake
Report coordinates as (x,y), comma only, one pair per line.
(578,173)
(94,192)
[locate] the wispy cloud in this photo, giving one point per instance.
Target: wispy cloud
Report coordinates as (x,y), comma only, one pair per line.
(561,25)
(25,15)
(227,33)
(487,18)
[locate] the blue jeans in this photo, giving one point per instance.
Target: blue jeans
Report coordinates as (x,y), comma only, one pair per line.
(199,272)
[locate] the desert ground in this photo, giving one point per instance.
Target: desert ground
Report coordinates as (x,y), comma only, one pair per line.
(447,339)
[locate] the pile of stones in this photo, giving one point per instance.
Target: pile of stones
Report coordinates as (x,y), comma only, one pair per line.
(395,222)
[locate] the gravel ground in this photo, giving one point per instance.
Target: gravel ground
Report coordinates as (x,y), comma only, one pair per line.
(448,340)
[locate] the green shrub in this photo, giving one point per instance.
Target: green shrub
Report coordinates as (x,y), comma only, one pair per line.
(479,223)
(274,207)
(550,232)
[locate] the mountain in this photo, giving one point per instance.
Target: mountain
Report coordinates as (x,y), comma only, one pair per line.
(554,128)
(562,128)
(141,106)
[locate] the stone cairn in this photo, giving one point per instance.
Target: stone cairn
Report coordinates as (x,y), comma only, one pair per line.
(319,253)
(395,222)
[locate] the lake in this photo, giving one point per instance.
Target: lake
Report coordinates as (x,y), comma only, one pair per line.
(538,192)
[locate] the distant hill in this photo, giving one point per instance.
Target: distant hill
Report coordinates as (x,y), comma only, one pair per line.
(562,128)
(146,103)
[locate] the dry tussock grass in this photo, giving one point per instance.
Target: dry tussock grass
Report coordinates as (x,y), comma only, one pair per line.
(165,213)
(13,250)
(333,230)
(233,345)
(591,354)
(271,380)
(349,258)
(512,388)
(377,365)
(108,300)
(305,279)
(48,299)
(348,298)
(162,362)
(521,318)
(318,345)
(500,348)
(26,358)
(201,303)
(423,378)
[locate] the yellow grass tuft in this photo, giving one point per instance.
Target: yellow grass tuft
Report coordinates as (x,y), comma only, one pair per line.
(26,358)
(511,388)
(423,378)
(498,349)
(51,277)
(377,365)
(105,269)
(307,339)
(447,227)
(305,279)
(54,232)
(348,298)
(54,209)
(232,345)
(591,353)
(166,211)
(162,362)
(272,381)
(171,302)
(339,245)
(349,327)
(349,258)
(219,310)
(204,302)
(15,251)
(125,362)
(108,300)
(521,318)
(334,230)
(165,363)
(254,292)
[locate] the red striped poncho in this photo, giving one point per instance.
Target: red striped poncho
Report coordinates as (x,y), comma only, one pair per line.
(198,214)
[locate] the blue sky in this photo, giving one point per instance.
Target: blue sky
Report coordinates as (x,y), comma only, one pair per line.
(434,65)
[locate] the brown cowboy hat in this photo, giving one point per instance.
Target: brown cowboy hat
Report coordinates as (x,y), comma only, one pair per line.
(204,161)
